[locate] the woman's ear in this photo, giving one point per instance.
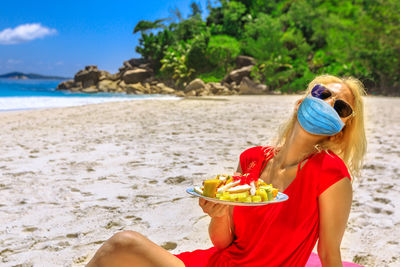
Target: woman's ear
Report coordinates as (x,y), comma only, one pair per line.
(297,105)
(336,137)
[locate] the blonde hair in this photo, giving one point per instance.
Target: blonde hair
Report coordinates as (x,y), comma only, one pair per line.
(351,143)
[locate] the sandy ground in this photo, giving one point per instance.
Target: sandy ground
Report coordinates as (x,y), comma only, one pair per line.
(71,177)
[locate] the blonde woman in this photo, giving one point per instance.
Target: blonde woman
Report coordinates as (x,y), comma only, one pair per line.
(319,147)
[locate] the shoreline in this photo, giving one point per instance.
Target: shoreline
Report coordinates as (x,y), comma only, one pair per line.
(8,103)
(72,177)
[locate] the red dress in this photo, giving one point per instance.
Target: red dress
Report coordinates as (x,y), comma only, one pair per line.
(281,234)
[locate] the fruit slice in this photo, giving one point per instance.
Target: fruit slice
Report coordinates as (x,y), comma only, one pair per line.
(210,187)
(262,193)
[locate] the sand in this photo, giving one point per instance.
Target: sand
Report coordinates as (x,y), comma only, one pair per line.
(72,177)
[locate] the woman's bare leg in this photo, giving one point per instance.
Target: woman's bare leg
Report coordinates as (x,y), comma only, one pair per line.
(130,248)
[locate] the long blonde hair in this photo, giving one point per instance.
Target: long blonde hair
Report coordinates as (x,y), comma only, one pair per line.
(351,143)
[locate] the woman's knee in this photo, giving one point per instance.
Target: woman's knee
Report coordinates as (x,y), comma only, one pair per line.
(126,240)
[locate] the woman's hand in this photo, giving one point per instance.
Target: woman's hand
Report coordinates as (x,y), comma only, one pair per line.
(221,228)
(214,210)
(221,225)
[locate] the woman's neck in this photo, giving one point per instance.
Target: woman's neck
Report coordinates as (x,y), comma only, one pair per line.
(297,147)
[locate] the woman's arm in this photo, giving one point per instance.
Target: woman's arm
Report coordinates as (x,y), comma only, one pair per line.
(334,209)
(221,228)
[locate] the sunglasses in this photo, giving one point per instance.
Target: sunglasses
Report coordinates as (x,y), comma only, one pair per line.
(342,108)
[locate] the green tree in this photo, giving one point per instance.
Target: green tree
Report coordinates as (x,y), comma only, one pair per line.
(153,46)
(187,29)
(196,57)
(222,50)
(196,9)
(291,40)
(174,64)
(378,46)
(262,38)
(233,18)
(145,25)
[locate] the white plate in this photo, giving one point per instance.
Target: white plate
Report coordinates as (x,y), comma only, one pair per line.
(279,198)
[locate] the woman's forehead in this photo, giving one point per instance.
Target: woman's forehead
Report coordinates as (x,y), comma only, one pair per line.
(342,91)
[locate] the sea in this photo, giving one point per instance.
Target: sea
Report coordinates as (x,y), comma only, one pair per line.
(39,94)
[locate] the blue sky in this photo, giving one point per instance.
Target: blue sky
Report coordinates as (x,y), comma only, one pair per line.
(61,37)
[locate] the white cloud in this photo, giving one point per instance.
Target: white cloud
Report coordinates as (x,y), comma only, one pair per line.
(24,33)
(14,61)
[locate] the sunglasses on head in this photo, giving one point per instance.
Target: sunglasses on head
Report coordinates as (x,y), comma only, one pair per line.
(342,108)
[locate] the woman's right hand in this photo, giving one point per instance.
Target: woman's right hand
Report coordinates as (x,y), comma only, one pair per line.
(214,210)
(220,228)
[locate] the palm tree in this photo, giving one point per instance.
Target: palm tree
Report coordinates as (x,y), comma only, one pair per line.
(145,25)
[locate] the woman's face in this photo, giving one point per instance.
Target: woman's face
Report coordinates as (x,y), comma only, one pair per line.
(342,92)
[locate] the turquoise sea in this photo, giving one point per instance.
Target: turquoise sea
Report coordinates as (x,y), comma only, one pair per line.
(37,94)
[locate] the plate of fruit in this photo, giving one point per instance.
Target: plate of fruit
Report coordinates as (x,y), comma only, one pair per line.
(241,190)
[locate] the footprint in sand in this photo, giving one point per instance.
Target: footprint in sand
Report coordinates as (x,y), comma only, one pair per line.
(112,224)
(90,169)
(382,200)
(133,217)
(63,244)
(4,187)
(373,167)
(134,187)
(175,180)
(376,210)
(199,174)
(379,210)
(169,245)
(80,260)
(30,229)
(384,189)
(72,235)
(356,203)
(362,259)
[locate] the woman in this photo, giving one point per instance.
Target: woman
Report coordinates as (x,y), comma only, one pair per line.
(308,163)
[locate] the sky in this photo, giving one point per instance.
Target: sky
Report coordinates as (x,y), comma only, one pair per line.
(62,37)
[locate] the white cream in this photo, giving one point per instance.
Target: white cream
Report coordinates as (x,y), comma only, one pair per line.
(222,178)
(252,189)
(227,186)
(197,189)
(244,187)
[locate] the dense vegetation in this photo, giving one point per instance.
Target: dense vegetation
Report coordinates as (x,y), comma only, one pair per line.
(291,40)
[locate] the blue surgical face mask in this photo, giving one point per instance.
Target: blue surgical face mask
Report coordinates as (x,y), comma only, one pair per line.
(318,117)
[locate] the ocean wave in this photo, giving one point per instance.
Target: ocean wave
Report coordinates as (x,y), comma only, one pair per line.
(42,102)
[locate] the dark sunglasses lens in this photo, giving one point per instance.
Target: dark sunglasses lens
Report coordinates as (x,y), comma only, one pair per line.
(342,108)
(321,92)
(325,94)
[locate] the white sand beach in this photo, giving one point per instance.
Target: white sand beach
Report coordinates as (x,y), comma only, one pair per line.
(72,177)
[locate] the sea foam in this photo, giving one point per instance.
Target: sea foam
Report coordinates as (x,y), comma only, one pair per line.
(41,102)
